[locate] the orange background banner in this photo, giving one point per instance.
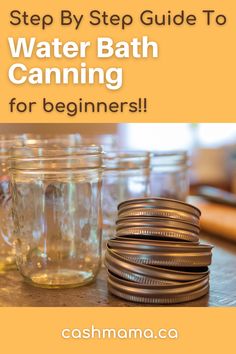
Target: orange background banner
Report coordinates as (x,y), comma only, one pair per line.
(31,330)
(192,80)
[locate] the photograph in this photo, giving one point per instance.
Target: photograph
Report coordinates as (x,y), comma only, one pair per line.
(118,215)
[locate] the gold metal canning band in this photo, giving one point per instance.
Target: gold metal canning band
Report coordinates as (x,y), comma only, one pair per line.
(160,213)
(160,301)
(160,203)
(156,294)
(135,277)
(149,289)
(158,223)
(155,272)
(166,255)
(159,233)
(150,244)
(169,261)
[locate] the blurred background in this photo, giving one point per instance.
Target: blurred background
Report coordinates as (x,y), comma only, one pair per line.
(212,147)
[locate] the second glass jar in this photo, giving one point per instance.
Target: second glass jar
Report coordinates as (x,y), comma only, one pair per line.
(169,175)
(126,176)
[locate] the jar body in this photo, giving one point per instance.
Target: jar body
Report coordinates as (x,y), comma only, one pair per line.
(7,254)
(120,185)
(57,226)
(169,177)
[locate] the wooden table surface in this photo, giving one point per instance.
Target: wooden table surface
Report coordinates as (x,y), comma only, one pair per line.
(15,292)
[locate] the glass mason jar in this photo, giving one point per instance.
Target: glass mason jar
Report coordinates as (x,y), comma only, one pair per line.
(126,176)
(56,207)
(169,176)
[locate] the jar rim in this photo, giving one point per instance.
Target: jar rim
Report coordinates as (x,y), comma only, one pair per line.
(183,153)
(55,159)
(53,151)
(125,154)
(167,158)
(115,160)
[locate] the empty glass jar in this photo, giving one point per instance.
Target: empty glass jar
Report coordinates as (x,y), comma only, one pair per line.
(56,207)
(169,177)
(126,176)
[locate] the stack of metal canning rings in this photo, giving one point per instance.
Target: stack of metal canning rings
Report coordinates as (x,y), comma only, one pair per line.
(156,256)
